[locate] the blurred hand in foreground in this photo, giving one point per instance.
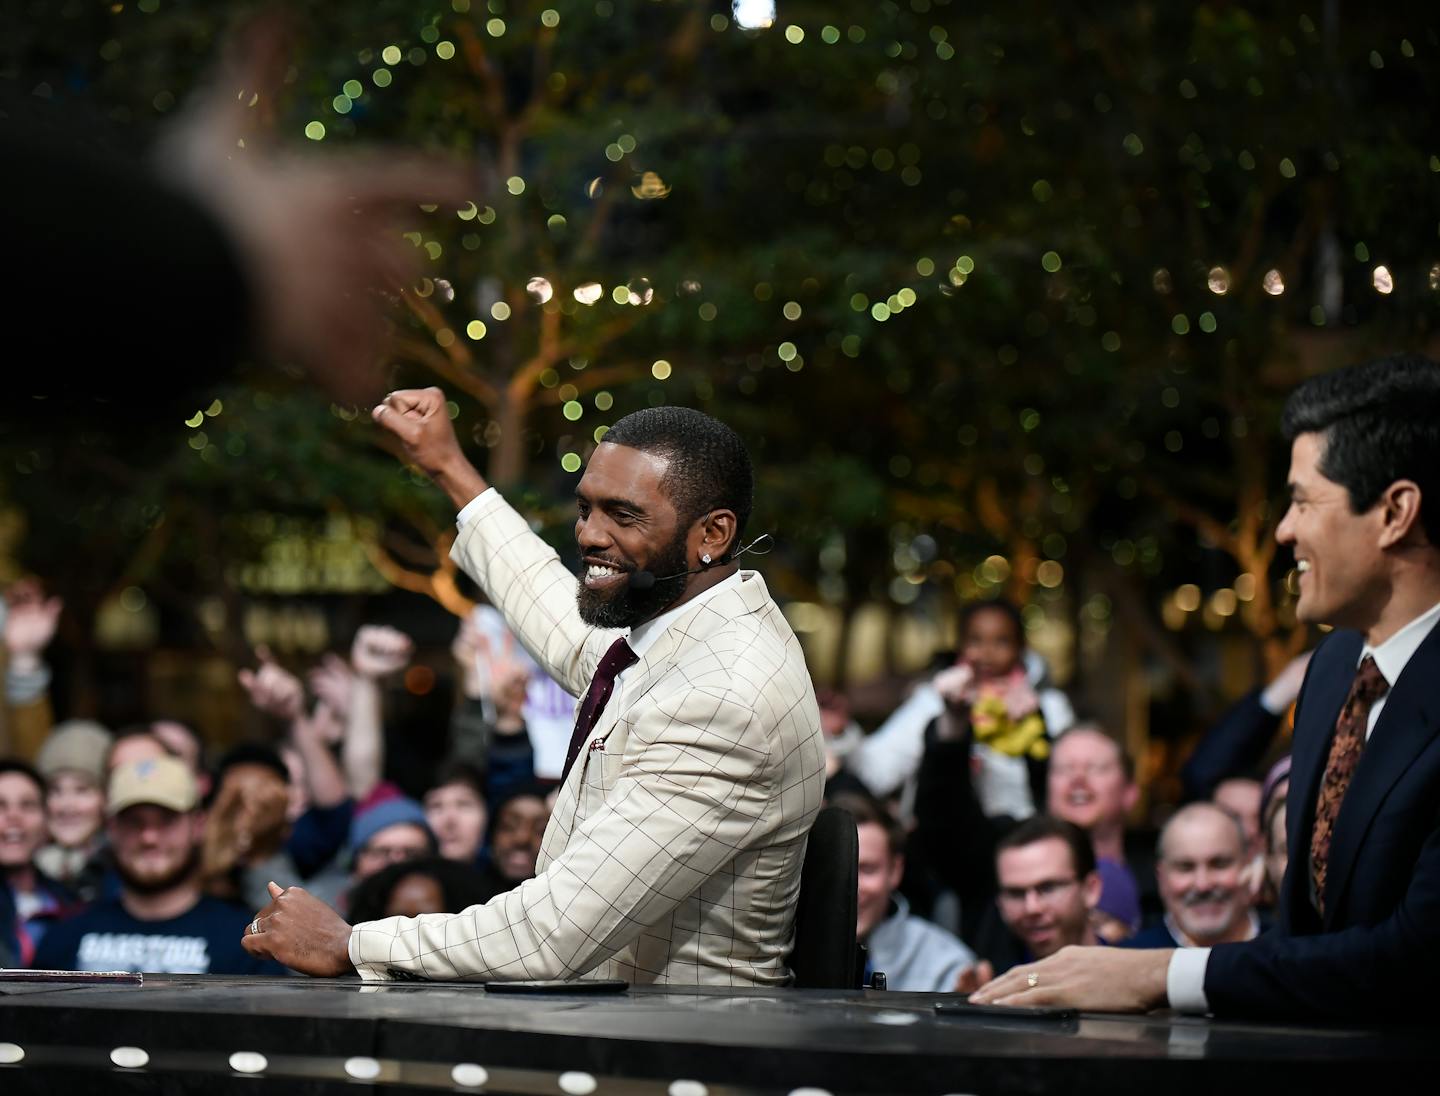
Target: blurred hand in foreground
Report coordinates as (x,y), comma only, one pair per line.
(30,622)
(320,234)
(273,689)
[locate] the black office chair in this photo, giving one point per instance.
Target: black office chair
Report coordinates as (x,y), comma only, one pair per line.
(825,955)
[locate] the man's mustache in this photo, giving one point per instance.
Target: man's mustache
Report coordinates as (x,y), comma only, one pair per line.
(1212,894)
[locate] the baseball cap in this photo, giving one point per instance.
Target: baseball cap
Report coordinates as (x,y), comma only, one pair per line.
(162,781)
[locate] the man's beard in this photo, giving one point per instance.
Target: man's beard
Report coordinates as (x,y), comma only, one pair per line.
(152,885)
(626,606)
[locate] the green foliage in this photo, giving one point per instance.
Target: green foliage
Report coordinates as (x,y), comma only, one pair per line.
(1007,236)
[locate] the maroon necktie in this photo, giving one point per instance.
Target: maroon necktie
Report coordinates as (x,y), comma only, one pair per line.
(1369,686)
(617,658)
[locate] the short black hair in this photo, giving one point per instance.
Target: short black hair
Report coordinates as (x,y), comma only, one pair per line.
(25,769)
(1380,422)
(526,789)
(708,465)
(461,884)
(1043,827)
(993,605)
(251,753)
(456,770)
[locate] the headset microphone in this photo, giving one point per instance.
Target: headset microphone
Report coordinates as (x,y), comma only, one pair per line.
(643,580)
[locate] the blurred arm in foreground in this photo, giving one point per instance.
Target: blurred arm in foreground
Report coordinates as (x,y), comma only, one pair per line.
(225,243)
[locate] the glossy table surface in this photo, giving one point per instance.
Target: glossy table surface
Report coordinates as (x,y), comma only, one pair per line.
(316,1035)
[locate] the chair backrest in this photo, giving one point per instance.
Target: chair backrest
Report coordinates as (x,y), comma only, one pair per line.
(824,956)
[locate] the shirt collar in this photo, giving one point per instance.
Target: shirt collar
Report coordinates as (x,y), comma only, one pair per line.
(643,636)
(1394,654)
(1178,934)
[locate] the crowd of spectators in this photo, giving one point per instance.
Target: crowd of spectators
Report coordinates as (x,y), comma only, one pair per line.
(993,827)
(132,850)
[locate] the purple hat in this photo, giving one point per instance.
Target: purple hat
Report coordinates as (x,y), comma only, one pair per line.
(1119,896)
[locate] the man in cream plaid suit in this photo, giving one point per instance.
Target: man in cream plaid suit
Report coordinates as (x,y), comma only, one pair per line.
(673,854)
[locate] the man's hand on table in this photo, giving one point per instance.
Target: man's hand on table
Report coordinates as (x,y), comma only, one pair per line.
(302,932)
(1095,979)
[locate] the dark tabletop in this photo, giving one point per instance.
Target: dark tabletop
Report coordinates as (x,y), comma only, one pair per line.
(305,1034)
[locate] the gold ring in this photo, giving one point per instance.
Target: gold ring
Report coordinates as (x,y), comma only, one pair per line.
(1033,979)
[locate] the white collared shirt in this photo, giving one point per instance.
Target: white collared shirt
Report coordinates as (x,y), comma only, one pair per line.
(1392,656)
(642,636)
(1185,979)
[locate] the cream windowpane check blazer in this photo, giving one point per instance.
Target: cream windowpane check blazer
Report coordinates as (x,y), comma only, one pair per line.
(673,854)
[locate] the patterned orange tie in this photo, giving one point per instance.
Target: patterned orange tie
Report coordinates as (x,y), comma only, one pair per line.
(1369,686)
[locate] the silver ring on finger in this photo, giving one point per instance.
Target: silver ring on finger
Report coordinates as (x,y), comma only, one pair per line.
(255,927)
(1032,979)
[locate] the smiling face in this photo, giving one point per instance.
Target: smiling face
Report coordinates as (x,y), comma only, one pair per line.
(1087,781)
(1199,876)
(22,820)
(74,808)
(1041,899)
(1337,551)
(879,875)
(519,828)
(625,522)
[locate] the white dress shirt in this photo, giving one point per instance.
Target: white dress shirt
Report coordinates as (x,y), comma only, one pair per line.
(642,636)
(1185,978)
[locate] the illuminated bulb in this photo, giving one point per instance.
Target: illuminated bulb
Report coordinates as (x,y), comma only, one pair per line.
(248,1061)
(540,289)
(589,293)
(1382,281)
(1219,281)
(754,14)
(1187,597)
(1273,283)
(469,1075)
(650,186)
(362,1069)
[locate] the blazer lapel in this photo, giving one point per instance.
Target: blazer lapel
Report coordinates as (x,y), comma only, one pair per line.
(1406,726)
(670,647)
(1326,685)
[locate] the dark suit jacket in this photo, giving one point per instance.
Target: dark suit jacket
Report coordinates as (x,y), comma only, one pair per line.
(1154,935)
(1232,747)
(1377,951)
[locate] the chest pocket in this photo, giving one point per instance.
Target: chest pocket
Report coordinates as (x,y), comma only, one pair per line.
(602,766)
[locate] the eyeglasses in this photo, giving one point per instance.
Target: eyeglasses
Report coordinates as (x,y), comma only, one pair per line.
(1047,891)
